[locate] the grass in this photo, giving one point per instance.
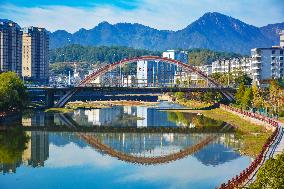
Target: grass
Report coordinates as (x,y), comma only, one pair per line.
(194,104)
(106,104)
(58,110)
(253,136)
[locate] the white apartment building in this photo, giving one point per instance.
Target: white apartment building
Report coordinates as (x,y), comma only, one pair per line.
(207,69)
(267,63)
(142,73)
(233,65)
(282,39)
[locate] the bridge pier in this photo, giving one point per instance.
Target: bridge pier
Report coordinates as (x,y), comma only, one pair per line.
(49,98)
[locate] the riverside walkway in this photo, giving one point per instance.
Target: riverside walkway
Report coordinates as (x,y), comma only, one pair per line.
(279,145)
(273,146)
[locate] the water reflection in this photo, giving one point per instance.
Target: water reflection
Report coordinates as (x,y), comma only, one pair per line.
(12,146)
(33,147)
(106,159)
(18,147)
(54,154)
(121,116)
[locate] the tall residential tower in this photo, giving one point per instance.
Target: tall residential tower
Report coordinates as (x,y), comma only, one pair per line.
(35,55)
(10,47)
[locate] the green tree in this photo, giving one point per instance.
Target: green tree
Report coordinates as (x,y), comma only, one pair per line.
(270,175)
(276,96)
(258,101)
(177,81)
(208,97)
(12,144)
(12,92)
(247,98)
(240,93)
(205,56)
(180,95)
(242,78)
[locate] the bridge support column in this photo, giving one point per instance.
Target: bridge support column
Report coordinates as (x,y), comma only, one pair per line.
(49,98)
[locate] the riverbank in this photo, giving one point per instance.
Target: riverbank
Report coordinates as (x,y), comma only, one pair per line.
(58,110)
(193,104)
(252,136)
(6,114)
(107,104)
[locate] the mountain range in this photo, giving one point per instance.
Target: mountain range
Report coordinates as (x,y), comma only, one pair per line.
(213,31)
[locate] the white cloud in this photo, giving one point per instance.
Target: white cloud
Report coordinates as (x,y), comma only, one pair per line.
(160,14)
(72,155)
(185,172)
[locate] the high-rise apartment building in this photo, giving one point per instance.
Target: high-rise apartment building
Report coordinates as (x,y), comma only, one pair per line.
(10,47)
(267,63)
(153,73)
(35,55)
(282,39)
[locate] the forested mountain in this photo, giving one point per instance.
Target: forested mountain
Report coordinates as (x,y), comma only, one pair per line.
(213,31)
(272,32)
(91,54)
(105,54)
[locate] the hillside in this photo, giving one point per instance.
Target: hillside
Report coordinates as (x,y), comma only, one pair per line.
(213,31)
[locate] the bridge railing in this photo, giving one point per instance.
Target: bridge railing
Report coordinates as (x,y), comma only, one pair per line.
(238,180)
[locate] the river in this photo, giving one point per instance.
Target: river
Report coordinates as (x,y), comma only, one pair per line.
(133,158)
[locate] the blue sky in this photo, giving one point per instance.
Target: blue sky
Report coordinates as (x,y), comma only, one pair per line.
(72,15)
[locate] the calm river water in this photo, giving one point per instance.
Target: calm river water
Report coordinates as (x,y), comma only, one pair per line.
(38,158)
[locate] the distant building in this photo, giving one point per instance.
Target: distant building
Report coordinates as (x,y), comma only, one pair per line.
(176,55)
(10,47)
(207,69)
(35,56)
(154,73)
(267,63)
(233,65)
(282,39)
(128,80)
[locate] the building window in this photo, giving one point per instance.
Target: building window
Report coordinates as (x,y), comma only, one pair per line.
(281,51)
(273,51)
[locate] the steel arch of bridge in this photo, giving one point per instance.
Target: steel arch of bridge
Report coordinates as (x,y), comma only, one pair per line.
(109,67)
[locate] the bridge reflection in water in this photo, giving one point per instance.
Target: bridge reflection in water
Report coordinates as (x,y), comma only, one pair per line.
(141,148)
(118,136)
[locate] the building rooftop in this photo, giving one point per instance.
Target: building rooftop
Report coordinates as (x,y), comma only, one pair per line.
(7,23)
(267,48)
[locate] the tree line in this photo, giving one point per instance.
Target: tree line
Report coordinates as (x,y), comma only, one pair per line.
(92,54)
(200,57)
(13,93)
(106,54)
(269,99)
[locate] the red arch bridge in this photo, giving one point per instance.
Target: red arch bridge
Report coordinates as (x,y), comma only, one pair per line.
(155,75)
